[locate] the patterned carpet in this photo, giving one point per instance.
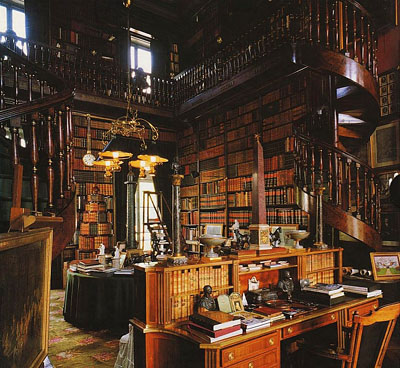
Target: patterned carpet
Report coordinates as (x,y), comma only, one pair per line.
(71,347)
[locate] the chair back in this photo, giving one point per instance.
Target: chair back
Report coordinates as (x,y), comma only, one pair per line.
(371,335)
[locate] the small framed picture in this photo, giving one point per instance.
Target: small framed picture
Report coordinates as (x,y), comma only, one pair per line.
(236,302)
(385,145)
(385,265)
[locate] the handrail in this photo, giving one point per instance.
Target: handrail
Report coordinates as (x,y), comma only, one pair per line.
(350,183)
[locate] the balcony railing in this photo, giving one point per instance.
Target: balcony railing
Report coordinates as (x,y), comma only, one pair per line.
(342,26)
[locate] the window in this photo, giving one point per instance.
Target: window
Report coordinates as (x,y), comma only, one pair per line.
(145,185)
(12,18)
(141,54)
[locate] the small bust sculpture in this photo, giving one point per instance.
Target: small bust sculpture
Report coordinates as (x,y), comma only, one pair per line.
(102,249)
(286,284)
(207,301)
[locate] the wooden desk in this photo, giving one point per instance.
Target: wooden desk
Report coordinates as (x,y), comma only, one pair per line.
(172,346)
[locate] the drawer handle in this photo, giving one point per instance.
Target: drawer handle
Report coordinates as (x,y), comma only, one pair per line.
(333,317)
(375,306)
(290,330)
(271,341)
(251,365)
(231,356)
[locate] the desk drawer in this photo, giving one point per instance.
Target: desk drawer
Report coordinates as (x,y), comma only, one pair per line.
(269,359)
(361,310)
(248,349)
(311,324)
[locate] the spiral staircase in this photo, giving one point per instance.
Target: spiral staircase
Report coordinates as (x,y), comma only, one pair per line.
(335,38)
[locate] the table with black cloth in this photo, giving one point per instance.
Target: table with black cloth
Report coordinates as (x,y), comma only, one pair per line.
(97,302)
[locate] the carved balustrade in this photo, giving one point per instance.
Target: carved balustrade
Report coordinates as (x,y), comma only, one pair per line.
(350,184)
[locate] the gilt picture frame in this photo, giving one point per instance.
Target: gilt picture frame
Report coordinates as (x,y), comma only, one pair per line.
(385,265)
(385,145)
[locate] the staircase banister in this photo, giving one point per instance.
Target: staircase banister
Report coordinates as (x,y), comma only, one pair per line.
(333,149)
(34,69)
(39,104)
(361,8)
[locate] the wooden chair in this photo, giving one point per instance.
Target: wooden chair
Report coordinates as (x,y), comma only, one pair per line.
(367,341)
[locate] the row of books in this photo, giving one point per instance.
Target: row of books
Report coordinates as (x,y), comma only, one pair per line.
(80,152)
(189,218)
(239,199)
(279,162)
(279,178)
(93,242)
(213,187)
(278,133)
(95,228)
(241,120)
(191,203)
(188,159)
(215,217)
(327,276)
(211,121)
(244,218)
(187,150)
(86,188)
(213,163)
(212,142)
(243,131)
(211,131)
(239,184)
(242,109)
(285,117)
(295,85)
(95,216)
(190,191)
(240,144)
(240,156)
(212,175)
(286,216)
(319,261)
(85,176)
(187,140)
(212,201)
(242,169)
(190,233)
(279,196)
(82,132)
(278,147)
(96,144)
(194,279)
(212,152)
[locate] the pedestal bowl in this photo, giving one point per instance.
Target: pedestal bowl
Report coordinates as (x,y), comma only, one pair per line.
(210,242)
(298,235)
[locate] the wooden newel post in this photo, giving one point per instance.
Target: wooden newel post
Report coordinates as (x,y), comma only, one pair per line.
(259,230)
(50,155)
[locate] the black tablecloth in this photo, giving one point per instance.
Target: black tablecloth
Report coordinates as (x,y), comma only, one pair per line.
(99,302)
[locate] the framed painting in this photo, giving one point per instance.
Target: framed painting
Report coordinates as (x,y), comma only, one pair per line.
(285,241)
(25,263)
(385,145)
(390,232)
(214,229)
(385,265)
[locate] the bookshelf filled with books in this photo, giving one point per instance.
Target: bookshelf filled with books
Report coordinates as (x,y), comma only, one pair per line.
(212,178)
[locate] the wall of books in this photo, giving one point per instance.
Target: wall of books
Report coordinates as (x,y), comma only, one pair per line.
(219,149)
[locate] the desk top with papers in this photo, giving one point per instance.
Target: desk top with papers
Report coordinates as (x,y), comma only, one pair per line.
(273,332)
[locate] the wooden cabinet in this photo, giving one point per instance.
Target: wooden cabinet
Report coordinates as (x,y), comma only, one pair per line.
(252,353)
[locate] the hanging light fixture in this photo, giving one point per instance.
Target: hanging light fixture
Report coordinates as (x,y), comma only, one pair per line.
(109,166)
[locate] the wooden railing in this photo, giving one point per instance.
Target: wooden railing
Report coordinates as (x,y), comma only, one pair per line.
(91,73)
(349,183)
(36,101)
(341,26)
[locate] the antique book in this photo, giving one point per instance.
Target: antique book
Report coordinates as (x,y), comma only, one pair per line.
(214,320)
(359,285)
(213,339)
(320,298)
(329,289)
(269,311)
(213,333)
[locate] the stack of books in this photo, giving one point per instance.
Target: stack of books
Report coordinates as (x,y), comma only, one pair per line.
(213,326)
(94,268)
(252,321)
(321,293)
(362,288)
(273,314)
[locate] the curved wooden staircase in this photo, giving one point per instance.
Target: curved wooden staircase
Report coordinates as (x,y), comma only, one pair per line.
(37,101)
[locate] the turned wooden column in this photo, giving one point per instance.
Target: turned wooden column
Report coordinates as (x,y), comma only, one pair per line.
(50,156)
(68,142)
(258,184)
(61,145)
(18,168)
(35,161)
